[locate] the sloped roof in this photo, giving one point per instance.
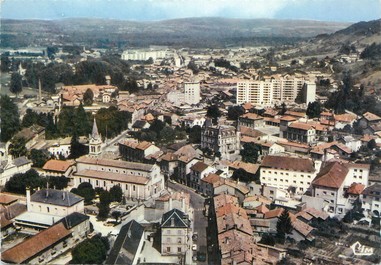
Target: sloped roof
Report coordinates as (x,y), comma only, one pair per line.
(371,117)
(356,188)
(58,165)
(331,175)
(274,213)
(288,163)
(126,244)
(251,116)
(113,176)
(199,167)
(179,219)
(56,197)
(115,163)
(248,167)
(30,247)
(20,161)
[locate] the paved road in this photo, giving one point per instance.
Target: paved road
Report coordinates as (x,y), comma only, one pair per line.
(200,221)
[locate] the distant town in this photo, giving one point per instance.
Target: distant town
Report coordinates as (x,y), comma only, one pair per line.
(262,154)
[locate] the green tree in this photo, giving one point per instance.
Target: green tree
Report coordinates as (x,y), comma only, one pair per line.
(76,148)
(284,109)
(241,175)
(82,122)
(50,128)
(17,147)
(58,183)
(213,112)
(16,83)
(85,190)
(313,110)
(104,210)
(10,119)
(20,181)
(234,112)
(250,152)
(39,157)
(90,251)
(116,194)
(372,144)
(167,135)
(116,215)
(29,118)
(267,239)
(5,64)
(195,134)
(284,225)
(88,97)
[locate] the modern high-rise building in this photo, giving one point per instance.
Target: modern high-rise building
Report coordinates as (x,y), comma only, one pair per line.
(192,92)
(270,91)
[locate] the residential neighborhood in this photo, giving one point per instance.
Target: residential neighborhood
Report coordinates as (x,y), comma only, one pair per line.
(242,154)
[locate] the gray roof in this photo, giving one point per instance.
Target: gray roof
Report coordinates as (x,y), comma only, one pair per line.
(126,244)
(20,161)
(56,197)
(74,219)
(180,220)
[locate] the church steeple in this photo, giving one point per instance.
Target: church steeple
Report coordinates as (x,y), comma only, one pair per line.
(95,141)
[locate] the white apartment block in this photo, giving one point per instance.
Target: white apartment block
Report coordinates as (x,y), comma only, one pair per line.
(143,55)
(274,90)
(192,92)
(286,172)
(371,199)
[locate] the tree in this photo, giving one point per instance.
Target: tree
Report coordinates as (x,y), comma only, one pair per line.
(284,109)
(213,112)
(16,83)
(17,147)
(104,210)
(58,183)
(195,134)
(90,251)
(10,119)
(241,175)
(372,144)
(167,135)
(85,190)
(116,194)
(39,157)
(313,110)
(76,148)
(20,181)
(284,225)
(116,215)
(267,239)
(50,128)
(234,112)
(88,97)
(250,152)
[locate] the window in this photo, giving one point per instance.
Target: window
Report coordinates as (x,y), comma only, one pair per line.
(168,249)
(324,192)
(178,249)
(271,192)
(301,182)
(126,187)
(179,232)
(179,240)
(168,232)
(47,208)
(332,193)
(168,240)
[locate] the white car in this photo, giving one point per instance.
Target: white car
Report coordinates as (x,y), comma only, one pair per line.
(194,247)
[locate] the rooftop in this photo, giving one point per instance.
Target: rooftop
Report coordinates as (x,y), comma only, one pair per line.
(115,163)
(332,175)
(56,197)
(113,176)
(58,165)
(288,163)
(32,246)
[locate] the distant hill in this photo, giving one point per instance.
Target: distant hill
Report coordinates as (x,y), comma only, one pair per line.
(188,32)
(360,34)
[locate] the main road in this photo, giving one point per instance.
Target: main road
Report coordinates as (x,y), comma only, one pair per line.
(200,222)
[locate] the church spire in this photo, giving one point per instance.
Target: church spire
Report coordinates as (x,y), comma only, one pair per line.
(95,134)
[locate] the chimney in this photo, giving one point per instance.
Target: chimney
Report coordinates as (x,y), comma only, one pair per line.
(183,204)
(170,203)
(172,221)
(28,199)
(63,196)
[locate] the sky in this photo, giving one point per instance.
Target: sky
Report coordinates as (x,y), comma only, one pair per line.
(148,10)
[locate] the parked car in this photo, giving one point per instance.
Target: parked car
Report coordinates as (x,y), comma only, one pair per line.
(194,247)
(195,236)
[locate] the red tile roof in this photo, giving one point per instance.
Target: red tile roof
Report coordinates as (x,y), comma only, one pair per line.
(58,165)
(288,163)
(356,188)
(274,213)
(36,244)
(371,117)
(199,167)
(331,175)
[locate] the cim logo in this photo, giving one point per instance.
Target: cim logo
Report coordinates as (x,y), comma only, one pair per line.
(361,250)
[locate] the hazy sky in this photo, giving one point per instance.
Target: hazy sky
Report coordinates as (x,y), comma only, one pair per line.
(328,10)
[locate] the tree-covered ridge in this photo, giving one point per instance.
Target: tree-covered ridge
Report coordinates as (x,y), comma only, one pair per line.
(372,52)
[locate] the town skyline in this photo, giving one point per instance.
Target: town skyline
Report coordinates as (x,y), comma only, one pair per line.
(320,10)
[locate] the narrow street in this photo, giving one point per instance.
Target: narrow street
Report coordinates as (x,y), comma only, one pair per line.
(200,221)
